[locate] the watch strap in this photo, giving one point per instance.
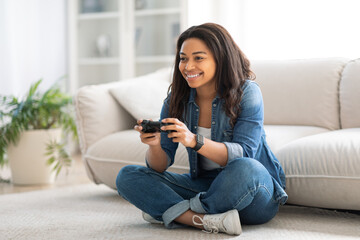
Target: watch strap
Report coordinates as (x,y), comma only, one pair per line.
(199,142)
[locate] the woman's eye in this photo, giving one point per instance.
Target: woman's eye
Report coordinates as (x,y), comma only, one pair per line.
(182,59)
(199,58)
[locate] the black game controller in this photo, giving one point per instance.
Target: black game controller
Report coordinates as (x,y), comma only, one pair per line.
(149,126)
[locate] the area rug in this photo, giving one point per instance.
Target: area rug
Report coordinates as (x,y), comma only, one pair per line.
(92,211)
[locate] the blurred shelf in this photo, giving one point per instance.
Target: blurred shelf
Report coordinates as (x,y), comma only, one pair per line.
(152,59)
(98,61)
(137,41)
(98,16)
(154,12)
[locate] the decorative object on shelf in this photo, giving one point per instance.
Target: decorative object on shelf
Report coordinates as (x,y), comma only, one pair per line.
(89,6)
(30,132)
(103,45)
(140,4)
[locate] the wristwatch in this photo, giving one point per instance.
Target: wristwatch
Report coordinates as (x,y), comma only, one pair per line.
(199,142)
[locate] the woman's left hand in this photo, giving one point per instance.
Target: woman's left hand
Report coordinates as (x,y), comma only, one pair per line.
(182,135)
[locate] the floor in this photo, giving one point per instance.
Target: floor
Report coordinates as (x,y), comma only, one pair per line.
(75,175)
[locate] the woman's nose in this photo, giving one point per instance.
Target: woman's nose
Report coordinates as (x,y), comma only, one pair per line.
(189,66)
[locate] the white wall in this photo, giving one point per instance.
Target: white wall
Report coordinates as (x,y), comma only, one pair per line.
(281,29)
(228,13)
(286,29)
(32,44)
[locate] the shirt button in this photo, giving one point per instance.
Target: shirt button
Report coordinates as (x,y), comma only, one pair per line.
(214,105)
(213,123)
(197,109)
(195,127)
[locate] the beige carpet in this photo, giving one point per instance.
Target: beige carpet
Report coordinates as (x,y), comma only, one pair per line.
(95,212)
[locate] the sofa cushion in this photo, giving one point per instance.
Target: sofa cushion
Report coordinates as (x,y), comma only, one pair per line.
(350,95)
(143,96)
(300,92)
(98,114)
(278,136)
(107,156)
(323,170)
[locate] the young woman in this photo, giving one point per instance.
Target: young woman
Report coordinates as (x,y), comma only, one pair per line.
(216,110)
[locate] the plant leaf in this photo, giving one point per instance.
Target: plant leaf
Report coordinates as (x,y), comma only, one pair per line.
(51,109)
(33,88)
(58,155)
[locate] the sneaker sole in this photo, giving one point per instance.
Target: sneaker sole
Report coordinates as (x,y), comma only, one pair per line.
(150,219)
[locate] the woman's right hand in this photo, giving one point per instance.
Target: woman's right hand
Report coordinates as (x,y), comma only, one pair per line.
(151,139)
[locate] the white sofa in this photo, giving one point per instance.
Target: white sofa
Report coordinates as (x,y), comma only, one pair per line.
(312,121)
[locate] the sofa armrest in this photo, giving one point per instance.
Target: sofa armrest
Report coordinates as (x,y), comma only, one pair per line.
(98,114)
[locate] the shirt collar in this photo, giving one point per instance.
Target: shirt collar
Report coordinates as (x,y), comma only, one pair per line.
(192,95)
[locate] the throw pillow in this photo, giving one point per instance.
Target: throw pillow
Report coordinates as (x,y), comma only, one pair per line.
(143,96)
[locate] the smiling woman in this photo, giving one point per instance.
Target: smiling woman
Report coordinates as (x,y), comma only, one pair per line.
(215,110)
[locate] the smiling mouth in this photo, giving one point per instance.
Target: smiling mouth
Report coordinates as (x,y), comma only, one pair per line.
(192,76)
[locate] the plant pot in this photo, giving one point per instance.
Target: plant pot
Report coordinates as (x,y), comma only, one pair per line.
(27,159)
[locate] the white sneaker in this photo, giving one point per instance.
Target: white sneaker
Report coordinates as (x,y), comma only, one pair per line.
(228,222)
(150,219)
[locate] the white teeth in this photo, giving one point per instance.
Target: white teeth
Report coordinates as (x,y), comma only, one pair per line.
(192,76)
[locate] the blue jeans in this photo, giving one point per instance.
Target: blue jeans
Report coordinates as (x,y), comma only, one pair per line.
(244,184)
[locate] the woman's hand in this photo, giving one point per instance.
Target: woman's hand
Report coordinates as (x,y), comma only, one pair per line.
(155,156)
(182,135)
(151,139)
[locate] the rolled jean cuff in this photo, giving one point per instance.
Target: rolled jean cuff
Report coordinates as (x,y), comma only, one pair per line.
(195,204)
(235,151)
(173,212)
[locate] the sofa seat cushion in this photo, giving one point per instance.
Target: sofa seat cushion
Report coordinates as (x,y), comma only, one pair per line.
(106,157)
(279,135)
(323,170)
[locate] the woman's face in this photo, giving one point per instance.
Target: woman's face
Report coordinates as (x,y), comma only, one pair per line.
(197,64)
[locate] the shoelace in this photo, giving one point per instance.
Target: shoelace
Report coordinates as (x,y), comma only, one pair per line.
(209,226)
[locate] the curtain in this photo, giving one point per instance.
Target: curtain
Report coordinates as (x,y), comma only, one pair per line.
(32,44)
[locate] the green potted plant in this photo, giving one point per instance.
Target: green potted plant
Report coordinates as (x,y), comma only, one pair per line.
(31,134)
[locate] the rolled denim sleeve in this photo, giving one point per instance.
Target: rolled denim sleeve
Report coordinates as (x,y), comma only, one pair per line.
(235,150)
(249,125)
(166,143)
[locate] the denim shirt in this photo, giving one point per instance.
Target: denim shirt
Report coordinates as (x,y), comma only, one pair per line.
(245,139)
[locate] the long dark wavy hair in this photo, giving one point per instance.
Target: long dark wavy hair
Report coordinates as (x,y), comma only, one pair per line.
(232,69)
